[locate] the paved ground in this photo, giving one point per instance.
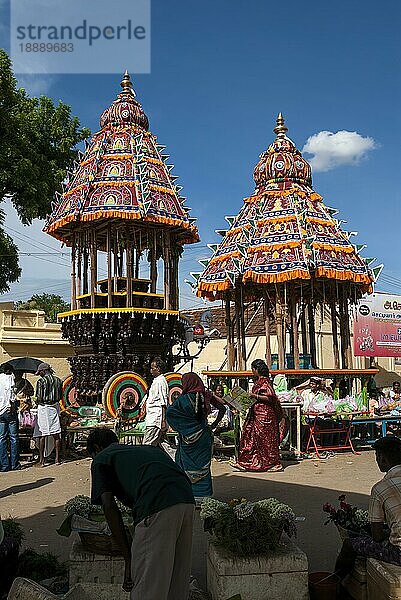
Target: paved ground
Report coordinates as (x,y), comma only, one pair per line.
(36,497)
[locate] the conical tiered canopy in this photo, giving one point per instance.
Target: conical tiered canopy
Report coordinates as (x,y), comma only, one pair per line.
(122,175)
(284,231)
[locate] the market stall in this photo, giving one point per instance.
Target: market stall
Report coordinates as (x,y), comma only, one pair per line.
(330,416)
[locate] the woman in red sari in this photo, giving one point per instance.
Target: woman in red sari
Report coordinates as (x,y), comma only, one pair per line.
(259,446)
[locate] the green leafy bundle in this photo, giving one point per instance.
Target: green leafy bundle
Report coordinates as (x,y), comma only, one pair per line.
(38,566)
(13,530)
(247,528)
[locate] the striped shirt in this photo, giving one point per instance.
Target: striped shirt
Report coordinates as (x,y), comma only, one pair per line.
(49,389)
(385,503)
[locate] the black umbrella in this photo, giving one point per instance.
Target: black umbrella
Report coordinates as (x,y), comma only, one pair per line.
(25,364)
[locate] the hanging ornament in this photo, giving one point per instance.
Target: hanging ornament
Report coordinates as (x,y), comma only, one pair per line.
(230,220)
(231,276)
(376,272)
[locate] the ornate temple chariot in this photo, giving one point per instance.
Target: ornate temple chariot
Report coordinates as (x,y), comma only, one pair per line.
(121,211)
(285,250)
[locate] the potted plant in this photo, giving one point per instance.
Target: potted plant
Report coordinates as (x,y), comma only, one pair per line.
(247,554)
(247,528)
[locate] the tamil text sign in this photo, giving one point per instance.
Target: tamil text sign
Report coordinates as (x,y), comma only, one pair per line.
(377,326)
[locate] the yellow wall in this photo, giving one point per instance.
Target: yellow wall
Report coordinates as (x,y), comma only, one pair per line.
(25,333)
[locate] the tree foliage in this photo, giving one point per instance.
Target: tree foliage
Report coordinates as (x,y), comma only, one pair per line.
(51,304)
(37,148)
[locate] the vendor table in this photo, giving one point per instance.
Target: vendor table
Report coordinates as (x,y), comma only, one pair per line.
(294,407)
(381,420)
(343,423)
(81,432)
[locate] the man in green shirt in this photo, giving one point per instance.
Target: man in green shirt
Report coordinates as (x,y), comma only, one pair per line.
(159,493)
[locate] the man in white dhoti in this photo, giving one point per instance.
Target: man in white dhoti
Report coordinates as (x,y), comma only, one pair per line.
(49,390)
(156,404)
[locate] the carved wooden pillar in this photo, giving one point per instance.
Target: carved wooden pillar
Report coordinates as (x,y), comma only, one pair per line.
(109,269)
(266,305)
(153,263)
(343,333)
(295,334)
(334,332)
(93,269)
(230,334)
(73,273)
(85,258)
(242,317)
(174,286)
(312,335)
(167,273)
(347,331)
(238,322)
(79,270)
(129,274)
(279,330)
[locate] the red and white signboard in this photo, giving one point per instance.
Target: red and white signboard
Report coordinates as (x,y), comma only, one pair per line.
(377,326)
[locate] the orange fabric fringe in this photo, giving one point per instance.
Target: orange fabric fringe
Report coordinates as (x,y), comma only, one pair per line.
(273,247)
(275,277)
(74,189)
(217,259)
(231,232)
(159,188)
(213,287)
(278,219)
(60,223)
(318,220)
(343,275)
(114,183)
(154,161)
(320,246)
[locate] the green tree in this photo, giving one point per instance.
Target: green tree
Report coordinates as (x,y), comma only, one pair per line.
(51,304)
(37,148)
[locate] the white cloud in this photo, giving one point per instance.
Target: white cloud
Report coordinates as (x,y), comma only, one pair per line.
(331,150)
(36,85)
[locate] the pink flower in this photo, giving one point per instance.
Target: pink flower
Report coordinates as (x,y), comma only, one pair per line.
(329,508)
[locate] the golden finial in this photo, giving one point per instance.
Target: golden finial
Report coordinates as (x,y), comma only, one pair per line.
(280,130)
(126,84)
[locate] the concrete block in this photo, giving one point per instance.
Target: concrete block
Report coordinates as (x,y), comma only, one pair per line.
(383,580)
(282,574)
(25,589)
(87,567)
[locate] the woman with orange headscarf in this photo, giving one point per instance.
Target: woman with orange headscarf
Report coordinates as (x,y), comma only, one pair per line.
(187,415)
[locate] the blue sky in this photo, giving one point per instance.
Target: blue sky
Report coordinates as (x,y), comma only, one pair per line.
(221,71)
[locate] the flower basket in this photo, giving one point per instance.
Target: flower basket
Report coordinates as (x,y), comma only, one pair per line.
(100,544)
(350,521)
(346,533)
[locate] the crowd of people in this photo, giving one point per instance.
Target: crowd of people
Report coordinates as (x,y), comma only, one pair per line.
(16,408)
(162,491)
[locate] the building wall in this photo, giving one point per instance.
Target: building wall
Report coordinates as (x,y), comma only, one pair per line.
(26,333)
(213,355)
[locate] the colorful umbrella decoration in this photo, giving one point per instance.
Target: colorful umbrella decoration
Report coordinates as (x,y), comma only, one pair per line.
(174,381)
(124,390)
(68,402)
